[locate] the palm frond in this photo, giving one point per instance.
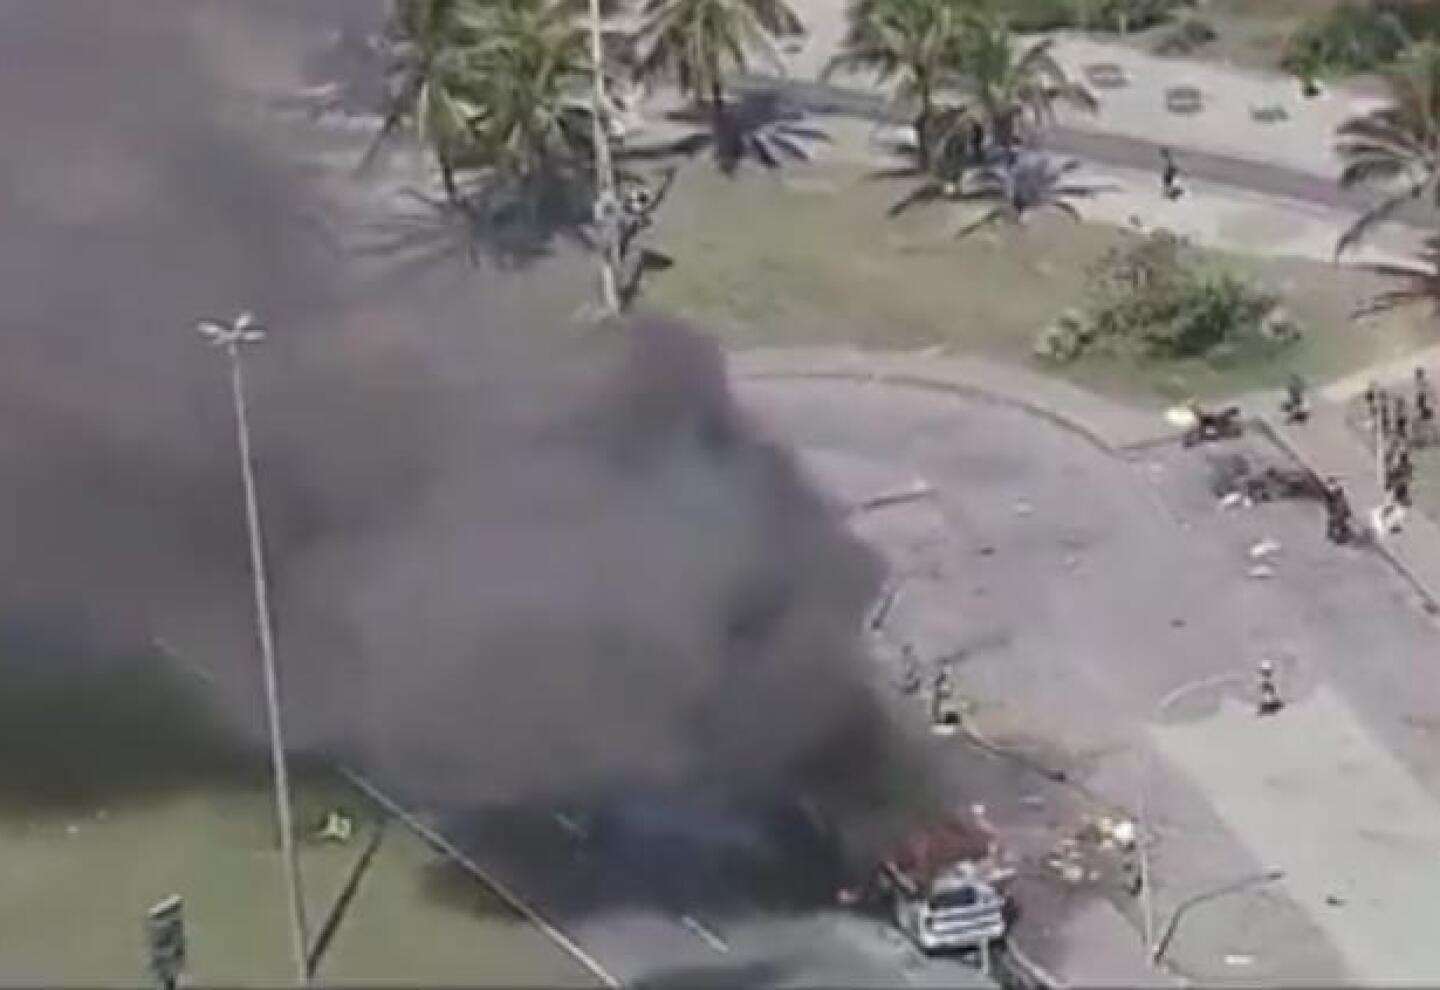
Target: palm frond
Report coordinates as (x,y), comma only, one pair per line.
(996,215)
(1369,220)
(929,192)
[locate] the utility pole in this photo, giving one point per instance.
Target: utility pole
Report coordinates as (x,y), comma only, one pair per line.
(244,330)
(607,203)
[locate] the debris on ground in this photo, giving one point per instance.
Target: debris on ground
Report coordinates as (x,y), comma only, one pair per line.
(917,490)
(1264,549)
(881,612)
(1234,500)
(1261,572)
(1238,959)
(1023,507)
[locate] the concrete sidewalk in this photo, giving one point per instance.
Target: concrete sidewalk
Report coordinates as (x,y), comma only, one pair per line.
(1329,445)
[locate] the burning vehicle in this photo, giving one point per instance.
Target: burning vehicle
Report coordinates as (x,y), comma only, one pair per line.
(943,886)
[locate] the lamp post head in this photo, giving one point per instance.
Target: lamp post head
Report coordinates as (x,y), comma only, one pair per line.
(244,329)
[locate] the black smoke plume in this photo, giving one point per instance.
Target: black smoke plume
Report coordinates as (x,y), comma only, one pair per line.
(513,560)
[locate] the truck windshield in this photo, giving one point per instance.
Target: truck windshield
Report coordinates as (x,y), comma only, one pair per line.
(956,897)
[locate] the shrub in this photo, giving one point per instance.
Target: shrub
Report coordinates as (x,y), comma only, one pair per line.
(1038,15)
(1151,295)
(1185,37)
(1349,38)
(1099,15)
(1132,15)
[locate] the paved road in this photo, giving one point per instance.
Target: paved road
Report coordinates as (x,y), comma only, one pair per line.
(665,897)
(1081,590)
(1118,151)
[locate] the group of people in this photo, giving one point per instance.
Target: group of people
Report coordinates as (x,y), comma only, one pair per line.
(1400,425)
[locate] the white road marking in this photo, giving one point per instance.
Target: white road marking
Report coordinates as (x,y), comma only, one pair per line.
(704,934)
(1313,792)
(571,825)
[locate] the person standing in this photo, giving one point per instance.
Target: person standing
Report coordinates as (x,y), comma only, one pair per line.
(1169,175)
(1337,512)
(1402,472)
(1294,406)
(1400,421)
(1268,702)
(1424,406)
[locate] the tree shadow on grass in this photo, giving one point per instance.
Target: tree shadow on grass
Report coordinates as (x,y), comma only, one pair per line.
(765,973)
(80,725)
(451,886)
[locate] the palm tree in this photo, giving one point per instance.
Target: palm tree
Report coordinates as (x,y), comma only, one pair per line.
(1026,185)
(430,50)
(699,41)
(1011,87)
(532,73)
(911,44)
(1416,283)
(1396,147)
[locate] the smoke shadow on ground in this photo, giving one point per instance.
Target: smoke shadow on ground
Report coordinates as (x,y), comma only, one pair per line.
(721,860)
(449,885)
(81,725)
(764,973)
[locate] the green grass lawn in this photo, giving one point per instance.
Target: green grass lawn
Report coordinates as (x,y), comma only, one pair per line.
(115,792)
(812,260)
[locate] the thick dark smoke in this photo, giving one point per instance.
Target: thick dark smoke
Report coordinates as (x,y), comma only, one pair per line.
(514,561)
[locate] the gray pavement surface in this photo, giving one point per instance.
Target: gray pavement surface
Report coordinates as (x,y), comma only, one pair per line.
(1094,145)
(1081,589)
(661,903)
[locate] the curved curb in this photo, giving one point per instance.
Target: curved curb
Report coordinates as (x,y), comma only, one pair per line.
(1073,424)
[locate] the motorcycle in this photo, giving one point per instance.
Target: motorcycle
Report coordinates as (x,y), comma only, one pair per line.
(1207,427)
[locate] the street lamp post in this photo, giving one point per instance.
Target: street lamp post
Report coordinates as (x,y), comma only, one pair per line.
(607,203)
(229,337)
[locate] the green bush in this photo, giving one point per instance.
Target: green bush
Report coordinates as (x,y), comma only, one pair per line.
(1153,296)
(1038,15)
(1185,37)
(1132,15)
(1349,38)
(1098,15)
(1419,19)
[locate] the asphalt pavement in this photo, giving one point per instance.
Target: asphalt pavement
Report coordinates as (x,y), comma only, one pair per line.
(1080,589)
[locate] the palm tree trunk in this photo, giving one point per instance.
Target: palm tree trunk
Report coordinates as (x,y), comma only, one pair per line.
(924,123)
(447,177)
(723,150)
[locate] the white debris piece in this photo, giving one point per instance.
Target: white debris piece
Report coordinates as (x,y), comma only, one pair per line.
(1265,549)
(1023,507)
(1262,572)
(1238,959)
(1124,834)
(1232,501)
(917,490)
